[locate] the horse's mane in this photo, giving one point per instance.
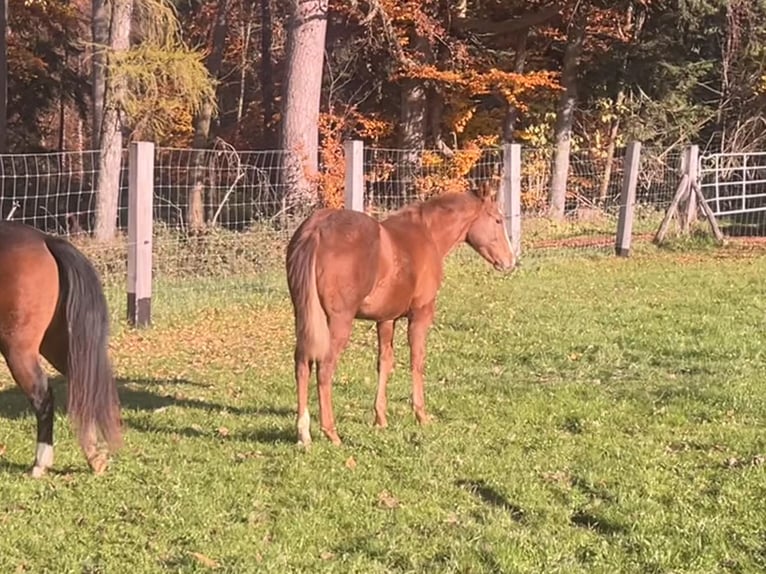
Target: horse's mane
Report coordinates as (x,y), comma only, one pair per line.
(450,201)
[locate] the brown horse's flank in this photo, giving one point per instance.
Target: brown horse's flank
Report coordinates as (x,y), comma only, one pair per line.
(344,265)
(52,304)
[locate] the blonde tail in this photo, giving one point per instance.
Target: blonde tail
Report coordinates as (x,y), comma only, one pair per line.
(311,330)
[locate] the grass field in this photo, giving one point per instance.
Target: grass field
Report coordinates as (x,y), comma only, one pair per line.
(591,415)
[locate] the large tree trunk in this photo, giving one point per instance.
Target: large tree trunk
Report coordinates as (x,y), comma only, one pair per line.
(110,156)
(302,92)
(267,73)
(564,115)
(3,76)
(101,13)
(519,61)
(412,135)
(195,215)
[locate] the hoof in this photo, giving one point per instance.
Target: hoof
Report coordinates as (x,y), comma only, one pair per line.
(98,464)
(38,471)
(304,442)
(380,422)
(333,437)
(422,418)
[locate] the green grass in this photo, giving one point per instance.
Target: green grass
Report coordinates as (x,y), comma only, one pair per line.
(591,415)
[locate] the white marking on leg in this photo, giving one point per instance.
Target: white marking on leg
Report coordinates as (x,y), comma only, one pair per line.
(304,422)
(43,459)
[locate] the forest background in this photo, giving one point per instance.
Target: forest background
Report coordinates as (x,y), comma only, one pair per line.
(453,78)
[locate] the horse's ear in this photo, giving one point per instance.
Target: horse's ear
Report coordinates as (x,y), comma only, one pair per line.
(488,189)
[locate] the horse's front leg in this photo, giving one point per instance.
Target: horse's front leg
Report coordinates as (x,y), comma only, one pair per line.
(420,321)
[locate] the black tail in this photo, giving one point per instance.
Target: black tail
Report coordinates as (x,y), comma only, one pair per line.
(93,399)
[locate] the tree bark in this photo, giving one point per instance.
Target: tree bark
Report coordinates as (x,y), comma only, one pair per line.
(110,156)
(267,73)
(412,135)
(611,144)
(3,76)
(195,215)
(303,84)
(101,14)
(519,61)
(564,116)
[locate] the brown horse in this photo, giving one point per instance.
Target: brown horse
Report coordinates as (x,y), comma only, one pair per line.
(52,304)
(343,265)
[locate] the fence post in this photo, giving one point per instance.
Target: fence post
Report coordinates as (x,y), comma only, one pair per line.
(354,186)
(511,190)
(140,198)
(628,198)
(690,167)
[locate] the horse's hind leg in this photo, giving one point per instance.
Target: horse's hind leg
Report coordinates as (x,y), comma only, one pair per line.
(340,331)
(385,366)
(28,373)
(302,376)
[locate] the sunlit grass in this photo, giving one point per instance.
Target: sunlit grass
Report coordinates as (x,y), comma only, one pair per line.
(591,415)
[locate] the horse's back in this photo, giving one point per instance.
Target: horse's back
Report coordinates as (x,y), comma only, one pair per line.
(29,284)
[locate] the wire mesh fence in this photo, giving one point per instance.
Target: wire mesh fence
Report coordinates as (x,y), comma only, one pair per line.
(396,177)
(222,217)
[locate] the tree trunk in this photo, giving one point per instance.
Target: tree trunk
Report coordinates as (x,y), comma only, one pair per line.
(303,85)
(110,156)
(512,113)
(564,116)
(3,76)
(247,28)
(611,144)
(195,215)
(101,13)
(412,135)
(267,73)
(633,26)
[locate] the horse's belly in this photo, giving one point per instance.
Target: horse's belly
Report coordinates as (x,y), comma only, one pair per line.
(385,302)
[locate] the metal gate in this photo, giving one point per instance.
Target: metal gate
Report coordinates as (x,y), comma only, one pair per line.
(733,183)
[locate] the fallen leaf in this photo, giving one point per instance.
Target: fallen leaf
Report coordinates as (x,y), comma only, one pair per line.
(351,463)
(387,500)
(204,560)
(327,555)
(2,449)
(223,432)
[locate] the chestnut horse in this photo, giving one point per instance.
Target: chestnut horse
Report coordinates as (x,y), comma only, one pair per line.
(344,265)
(52,304)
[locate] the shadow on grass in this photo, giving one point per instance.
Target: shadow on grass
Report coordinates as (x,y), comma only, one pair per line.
(135,394)
(598,524)
(491,496)
(267,435)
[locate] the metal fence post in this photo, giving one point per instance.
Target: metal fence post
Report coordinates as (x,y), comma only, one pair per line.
(511,190)
(140,198)
(354,186)
(628,198)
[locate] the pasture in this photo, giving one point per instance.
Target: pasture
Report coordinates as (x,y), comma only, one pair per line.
(592,414)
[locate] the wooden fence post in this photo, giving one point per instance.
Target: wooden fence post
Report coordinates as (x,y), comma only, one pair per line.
(628,198)
(354,186)
(140,199)
(689,203)
(511,190)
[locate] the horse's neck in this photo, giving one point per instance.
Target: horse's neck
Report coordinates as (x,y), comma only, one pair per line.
(448,225)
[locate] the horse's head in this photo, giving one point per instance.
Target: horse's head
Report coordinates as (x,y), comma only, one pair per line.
(487,234)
